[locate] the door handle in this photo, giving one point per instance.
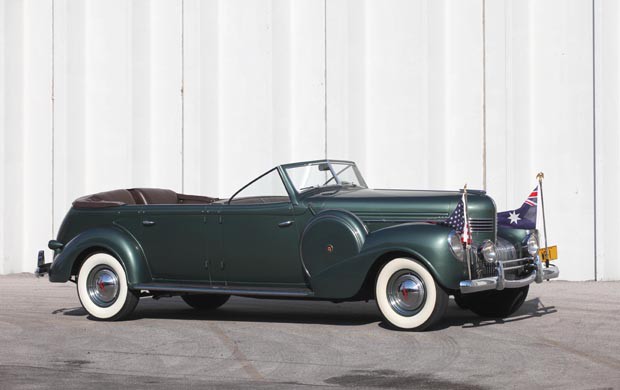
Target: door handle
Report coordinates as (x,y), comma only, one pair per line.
(148,223)
(285,224)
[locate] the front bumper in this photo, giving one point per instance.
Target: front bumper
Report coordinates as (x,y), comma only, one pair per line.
(500,282)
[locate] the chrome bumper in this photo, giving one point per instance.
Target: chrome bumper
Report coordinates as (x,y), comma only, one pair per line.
(499,282)
(43,268)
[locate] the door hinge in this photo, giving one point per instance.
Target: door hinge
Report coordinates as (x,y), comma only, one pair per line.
(221,265)
(207,264)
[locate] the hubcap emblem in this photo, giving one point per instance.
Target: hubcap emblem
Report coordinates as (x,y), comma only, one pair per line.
(103,286)
(406,293)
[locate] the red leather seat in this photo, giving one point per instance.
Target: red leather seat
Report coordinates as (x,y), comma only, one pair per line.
(154,196)
(105,199)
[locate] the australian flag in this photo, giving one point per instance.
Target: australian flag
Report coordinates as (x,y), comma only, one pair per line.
(522,218)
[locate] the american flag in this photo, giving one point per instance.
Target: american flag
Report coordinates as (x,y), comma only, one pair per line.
(459,222)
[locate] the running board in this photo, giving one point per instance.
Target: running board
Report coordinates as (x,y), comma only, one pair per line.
(228,290)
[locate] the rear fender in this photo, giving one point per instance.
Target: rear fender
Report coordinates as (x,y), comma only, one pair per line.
(427,243)
(114,240)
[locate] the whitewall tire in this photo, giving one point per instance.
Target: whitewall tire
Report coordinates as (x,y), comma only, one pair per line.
(408,296)
(102,288)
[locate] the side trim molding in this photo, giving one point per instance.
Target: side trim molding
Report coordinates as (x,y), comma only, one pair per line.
(228,290)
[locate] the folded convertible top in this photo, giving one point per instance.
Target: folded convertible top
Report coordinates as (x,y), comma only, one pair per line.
(138,196)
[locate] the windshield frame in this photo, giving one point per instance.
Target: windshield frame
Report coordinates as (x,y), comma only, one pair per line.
(284,184)
(338,184)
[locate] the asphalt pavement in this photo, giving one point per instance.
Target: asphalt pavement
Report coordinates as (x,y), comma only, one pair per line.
(566,335)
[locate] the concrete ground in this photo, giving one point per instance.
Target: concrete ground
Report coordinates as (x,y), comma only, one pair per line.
(567,335)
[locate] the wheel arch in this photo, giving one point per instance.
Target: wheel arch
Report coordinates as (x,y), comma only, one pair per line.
(367,290)
(86,253)
(426,243)
(113,241)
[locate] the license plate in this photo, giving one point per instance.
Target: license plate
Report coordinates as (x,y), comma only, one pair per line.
(552,251)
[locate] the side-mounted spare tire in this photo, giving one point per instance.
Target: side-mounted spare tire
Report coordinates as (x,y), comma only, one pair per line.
(330,237)
(103,290)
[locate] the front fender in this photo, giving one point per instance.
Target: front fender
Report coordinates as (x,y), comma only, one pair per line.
(425,242)
(119,243)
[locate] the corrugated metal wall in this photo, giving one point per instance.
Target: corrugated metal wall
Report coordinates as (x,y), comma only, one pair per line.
(200,96)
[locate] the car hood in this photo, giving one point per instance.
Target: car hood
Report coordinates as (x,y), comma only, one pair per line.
(402,205)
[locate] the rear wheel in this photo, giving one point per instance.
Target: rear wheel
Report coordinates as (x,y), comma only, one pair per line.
(103,290)
(205,301)
(408,296)
(494,303)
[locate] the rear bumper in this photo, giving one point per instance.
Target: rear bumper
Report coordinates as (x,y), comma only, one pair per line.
(500,282)
(43,268)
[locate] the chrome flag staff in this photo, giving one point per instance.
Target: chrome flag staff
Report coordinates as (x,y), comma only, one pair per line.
(460,223)
(545,253)
(525,218)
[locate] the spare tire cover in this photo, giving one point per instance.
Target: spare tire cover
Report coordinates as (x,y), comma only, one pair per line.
(331,237)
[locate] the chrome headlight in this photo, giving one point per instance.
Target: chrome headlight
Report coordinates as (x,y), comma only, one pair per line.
(532,244)
(455,245)
(489,252)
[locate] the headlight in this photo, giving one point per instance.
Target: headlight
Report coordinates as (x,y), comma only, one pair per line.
(488,251)
(532,244)
(455,245)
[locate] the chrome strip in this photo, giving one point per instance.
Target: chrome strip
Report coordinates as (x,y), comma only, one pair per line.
(515,260)
(223,290)
(399,220)
(514,267)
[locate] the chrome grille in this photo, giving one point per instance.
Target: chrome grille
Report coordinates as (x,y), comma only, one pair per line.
(482,225)
(507,254)
(505,249)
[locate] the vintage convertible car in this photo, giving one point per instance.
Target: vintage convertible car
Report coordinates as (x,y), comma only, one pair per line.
(309,230)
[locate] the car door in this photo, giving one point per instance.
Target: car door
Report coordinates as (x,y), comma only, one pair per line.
(260,238)
(173,240)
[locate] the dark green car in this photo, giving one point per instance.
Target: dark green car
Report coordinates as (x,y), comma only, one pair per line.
(310,230)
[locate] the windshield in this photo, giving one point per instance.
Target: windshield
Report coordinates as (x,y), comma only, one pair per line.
(324,174)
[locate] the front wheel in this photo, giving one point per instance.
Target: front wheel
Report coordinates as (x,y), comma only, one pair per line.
(494,303)
(102,288)
(408,296)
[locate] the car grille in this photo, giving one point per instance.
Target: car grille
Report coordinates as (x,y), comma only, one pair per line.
(482,229)
(482,225)
(505,249)
(507,254)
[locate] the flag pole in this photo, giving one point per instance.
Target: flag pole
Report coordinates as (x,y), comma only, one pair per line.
(466,228)
(540,178)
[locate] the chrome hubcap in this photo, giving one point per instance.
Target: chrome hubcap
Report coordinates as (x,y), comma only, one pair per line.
(102,285)
(406,293)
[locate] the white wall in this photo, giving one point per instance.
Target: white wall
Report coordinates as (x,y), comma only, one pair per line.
(200,96)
